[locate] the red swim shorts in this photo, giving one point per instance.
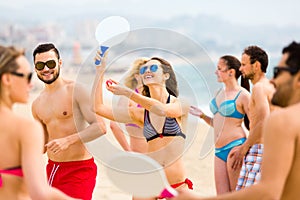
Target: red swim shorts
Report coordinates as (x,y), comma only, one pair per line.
(75,178)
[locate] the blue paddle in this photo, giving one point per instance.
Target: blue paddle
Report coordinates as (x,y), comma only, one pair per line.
(111,31)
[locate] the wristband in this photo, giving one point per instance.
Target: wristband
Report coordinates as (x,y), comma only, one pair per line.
(202,116)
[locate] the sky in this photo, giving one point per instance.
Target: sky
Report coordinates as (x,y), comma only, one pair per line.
(254,12)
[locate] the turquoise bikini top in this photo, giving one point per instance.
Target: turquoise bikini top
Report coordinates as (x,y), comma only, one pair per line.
(227,108)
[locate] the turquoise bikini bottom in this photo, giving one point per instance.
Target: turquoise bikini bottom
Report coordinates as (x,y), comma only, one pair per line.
(223,152)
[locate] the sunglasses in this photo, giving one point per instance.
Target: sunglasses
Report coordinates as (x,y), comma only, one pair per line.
(153,68)
(27,76)
(41,65)
(277,70)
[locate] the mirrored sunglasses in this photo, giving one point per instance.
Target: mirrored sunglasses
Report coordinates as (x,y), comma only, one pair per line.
(153,68)
(41,65)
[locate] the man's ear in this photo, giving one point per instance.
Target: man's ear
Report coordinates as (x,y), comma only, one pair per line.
(60,62)
(297,80)
(257,65)
(166,76)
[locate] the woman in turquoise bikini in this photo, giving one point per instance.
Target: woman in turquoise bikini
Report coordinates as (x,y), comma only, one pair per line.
(229,108)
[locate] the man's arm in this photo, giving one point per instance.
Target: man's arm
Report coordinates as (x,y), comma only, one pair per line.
(35,116)
(96,126)
(279,149)
(262,111)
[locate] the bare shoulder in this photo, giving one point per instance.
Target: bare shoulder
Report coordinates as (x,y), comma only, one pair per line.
(70,84)
(78,87)
(28,127)
(285,119)
(245,93)
(264,85)
(291,114)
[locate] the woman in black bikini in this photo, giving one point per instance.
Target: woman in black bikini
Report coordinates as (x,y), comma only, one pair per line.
(163,114)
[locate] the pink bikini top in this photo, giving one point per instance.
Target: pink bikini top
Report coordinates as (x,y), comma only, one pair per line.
(139,106)
(15,171)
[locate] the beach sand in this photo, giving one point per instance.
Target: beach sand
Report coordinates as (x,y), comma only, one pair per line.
(199,168)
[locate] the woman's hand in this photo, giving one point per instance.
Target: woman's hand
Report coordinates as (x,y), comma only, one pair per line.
(117,89)
(185,194)
(100,58)
(196,111)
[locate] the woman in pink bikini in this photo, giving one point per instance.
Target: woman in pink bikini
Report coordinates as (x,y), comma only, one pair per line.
(162,114)
(22,174)
(137,142)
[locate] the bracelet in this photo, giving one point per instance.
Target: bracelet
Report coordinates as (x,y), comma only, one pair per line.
(202,115)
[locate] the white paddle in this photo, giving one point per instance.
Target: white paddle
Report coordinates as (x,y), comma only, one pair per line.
(139,175)
(111,31)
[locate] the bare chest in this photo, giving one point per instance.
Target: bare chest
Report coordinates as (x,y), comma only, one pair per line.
(55,107)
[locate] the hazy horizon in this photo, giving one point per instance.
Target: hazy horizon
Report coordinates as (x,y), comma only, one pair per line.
(255,12)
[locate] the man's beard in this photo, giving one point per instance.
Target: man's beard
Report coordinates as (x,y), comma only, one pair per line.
(282,95)
(55,76)
(249,76)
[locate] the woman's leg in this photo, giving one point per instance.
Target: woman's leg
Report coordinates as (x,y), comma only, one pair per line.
(221,176)
(232,174)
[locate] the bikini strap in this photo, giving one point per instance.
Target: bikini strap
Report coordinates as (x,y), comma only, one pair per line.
(168,101)
(238,94)
(218,92)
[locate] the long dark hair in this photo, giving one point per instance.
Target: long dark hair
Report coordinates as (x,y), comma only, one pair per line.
(233,63)
(171,83)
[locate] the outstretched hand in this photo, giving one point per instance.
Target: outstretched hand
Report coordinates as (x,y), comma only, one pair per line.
(195,111)
(116,88)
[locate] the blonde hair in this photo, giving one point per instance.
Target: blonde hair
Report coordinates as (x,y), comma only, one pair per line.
(130,81)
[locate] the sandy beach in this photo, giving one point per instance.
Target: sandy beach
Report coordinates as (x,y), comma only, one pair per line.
(199,168)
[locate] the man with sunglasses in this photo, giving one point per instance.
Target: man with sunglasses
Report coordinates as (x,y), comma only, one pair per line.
(63,108)
(254,65)
(280,170)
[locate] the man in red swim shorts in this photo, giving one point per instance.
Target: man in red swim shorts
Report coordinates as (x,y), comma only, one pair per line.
(63,108)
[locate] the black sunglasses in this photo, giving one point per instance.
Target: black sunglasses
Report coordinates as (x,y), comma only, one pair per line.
(27,76)
(277,70)
(41,65)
